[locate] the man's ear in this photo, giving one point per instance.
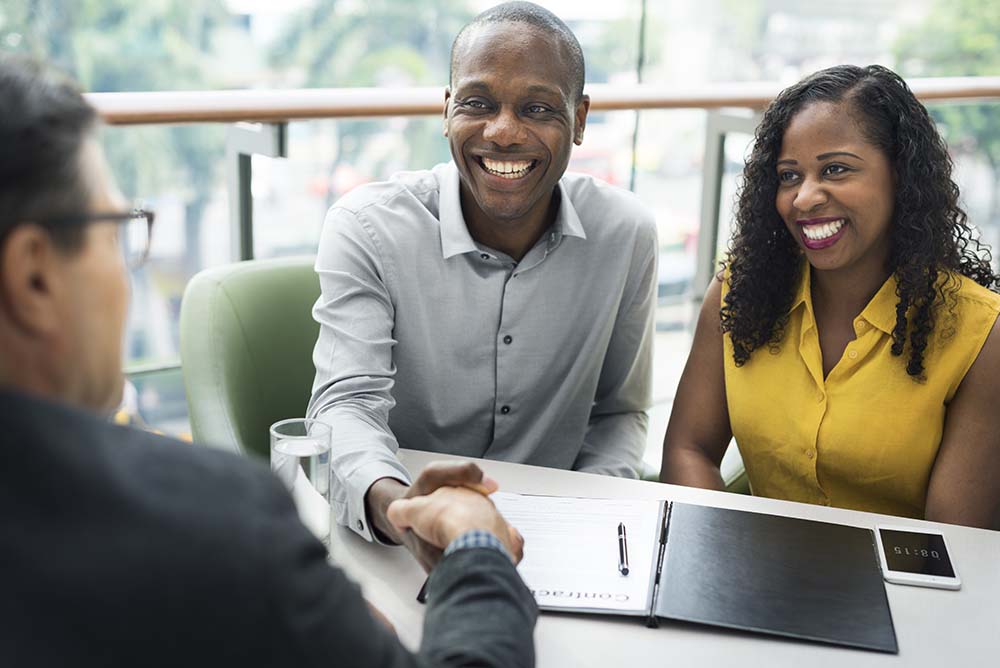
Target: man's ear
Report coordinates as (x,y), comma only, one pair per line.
(31,282)
(447,100)
(582,108)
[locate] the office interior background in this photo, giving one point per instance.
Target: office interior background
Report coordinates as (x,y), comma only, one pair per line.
(180,171)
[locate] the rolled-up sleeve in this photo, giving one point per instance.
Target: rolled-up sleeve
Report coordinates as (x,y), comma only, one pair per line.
(354,367)
(616,433)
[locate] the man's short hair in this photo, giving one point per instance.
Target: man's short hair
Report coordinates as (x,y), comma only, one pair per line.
(537,17)
(44,122)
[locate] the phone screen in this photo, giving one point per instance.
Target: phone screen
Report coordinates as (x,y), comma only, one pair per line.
(913,552)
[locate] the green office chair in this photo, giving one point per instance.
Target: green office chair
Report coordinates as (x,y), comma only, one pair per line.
(247,336)
(737,481)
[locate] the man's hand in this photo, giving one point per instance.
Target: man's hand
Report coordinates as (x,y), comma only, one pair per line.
(448,512)
(437,474)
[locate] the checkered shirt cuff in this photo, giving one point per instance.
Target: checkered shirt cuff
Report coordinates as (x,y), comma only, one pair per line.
(476,538)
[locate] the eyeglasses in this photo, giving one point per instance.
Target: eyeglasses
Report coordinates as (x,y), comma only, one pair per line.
(134,232)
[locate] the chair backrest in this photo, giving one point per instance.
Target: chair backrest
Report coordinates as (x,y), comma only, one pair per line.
(247,336)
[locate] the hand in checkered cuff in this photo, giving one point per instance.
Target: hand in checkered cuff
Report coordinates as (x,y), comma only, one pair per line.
(476,538)
(447,513)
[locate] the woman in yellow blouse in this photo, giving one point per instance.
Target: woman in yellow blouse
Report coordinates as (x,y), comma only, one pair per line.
(851,343)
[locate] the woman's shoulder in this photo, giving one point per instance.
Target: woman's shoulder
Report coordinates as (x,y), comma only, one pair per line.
(975,297)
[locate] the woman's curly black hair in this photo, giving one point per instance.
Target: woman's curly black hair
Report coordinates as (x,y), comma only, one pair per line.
(930,237)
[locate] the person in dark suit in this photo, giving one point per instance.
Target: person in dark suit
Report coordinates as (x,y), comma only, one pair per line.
(119,547)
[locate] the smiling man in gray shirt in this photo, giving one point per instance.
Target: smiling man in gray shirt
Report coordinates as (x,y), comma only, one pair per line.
(493,306)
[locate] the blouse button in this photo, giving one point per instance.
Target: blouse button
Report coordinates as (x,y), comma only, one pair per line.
(853,354)
(810,453)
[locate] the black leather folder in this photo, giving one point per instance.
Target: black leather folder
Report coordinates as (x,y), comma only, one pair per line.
(771,574)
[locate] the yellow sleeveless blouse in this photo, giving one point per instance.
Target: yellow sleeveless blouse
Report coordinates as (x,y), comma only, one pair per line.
(866,436)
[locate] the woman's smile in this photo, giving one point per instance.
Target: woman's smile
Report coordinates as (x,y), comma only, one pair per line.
(820,233)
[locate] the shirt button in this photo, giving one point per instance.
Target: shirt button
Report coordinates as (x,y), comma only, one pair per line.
(361,525)
(810,453)
(508,339)
(853,354)
(820,396)
(505,409)
(860,324)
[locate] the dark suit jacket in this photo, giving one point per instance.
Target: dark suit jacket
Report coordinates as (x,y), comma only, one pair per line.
(121,548)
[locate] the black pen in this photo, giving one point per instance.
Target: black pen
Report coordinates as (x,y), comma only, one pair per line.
(622,550)
(422,594)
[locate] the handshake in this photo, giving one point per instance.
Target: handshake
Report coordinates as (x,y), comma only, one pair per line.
(444,502)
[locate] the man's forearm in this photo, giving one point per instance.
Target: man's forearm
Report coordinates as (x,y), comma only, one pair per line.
(479,613)
(383,492)
(614,445)
(363,456)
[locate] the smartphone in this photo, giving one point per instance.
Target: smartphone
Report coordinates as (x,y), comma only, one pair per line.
(914,557)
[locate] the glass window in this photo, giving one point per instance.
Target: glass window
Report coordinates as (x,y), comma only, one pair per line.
(180,171)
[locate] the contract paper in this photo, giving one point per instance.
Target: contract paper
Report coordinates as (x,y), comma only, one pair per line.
(571,550)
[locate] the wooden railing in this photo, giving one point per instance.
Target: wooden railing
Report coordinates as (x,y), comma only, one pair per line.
(231,106)
(277,107)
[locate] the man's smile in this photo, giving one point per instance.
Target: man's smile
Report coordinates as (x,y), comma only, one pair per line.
(512,171)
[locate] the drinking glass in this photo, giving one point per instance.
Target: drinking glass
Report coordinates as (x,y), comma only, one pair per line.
(300,457)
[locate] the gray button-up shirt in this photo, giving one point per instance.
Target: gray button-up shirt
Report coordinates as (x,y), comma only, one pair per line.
(431,341)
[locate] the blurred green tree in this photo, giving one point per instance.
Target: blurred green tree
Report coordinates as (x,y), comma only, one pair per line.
(961,38)
(380,43)
(124,45)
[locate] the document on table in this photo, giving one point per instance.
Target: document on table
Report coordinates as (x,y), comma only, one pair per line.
(730,568)
(571,550)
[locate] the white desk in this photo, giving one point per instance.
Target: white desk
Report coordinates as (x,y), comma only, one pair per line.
(933,627)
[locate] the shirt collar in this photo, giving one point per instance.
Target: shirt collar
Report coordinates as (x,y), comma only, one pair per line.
(455,237)
(567,220)
(804,293)
(880,311)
